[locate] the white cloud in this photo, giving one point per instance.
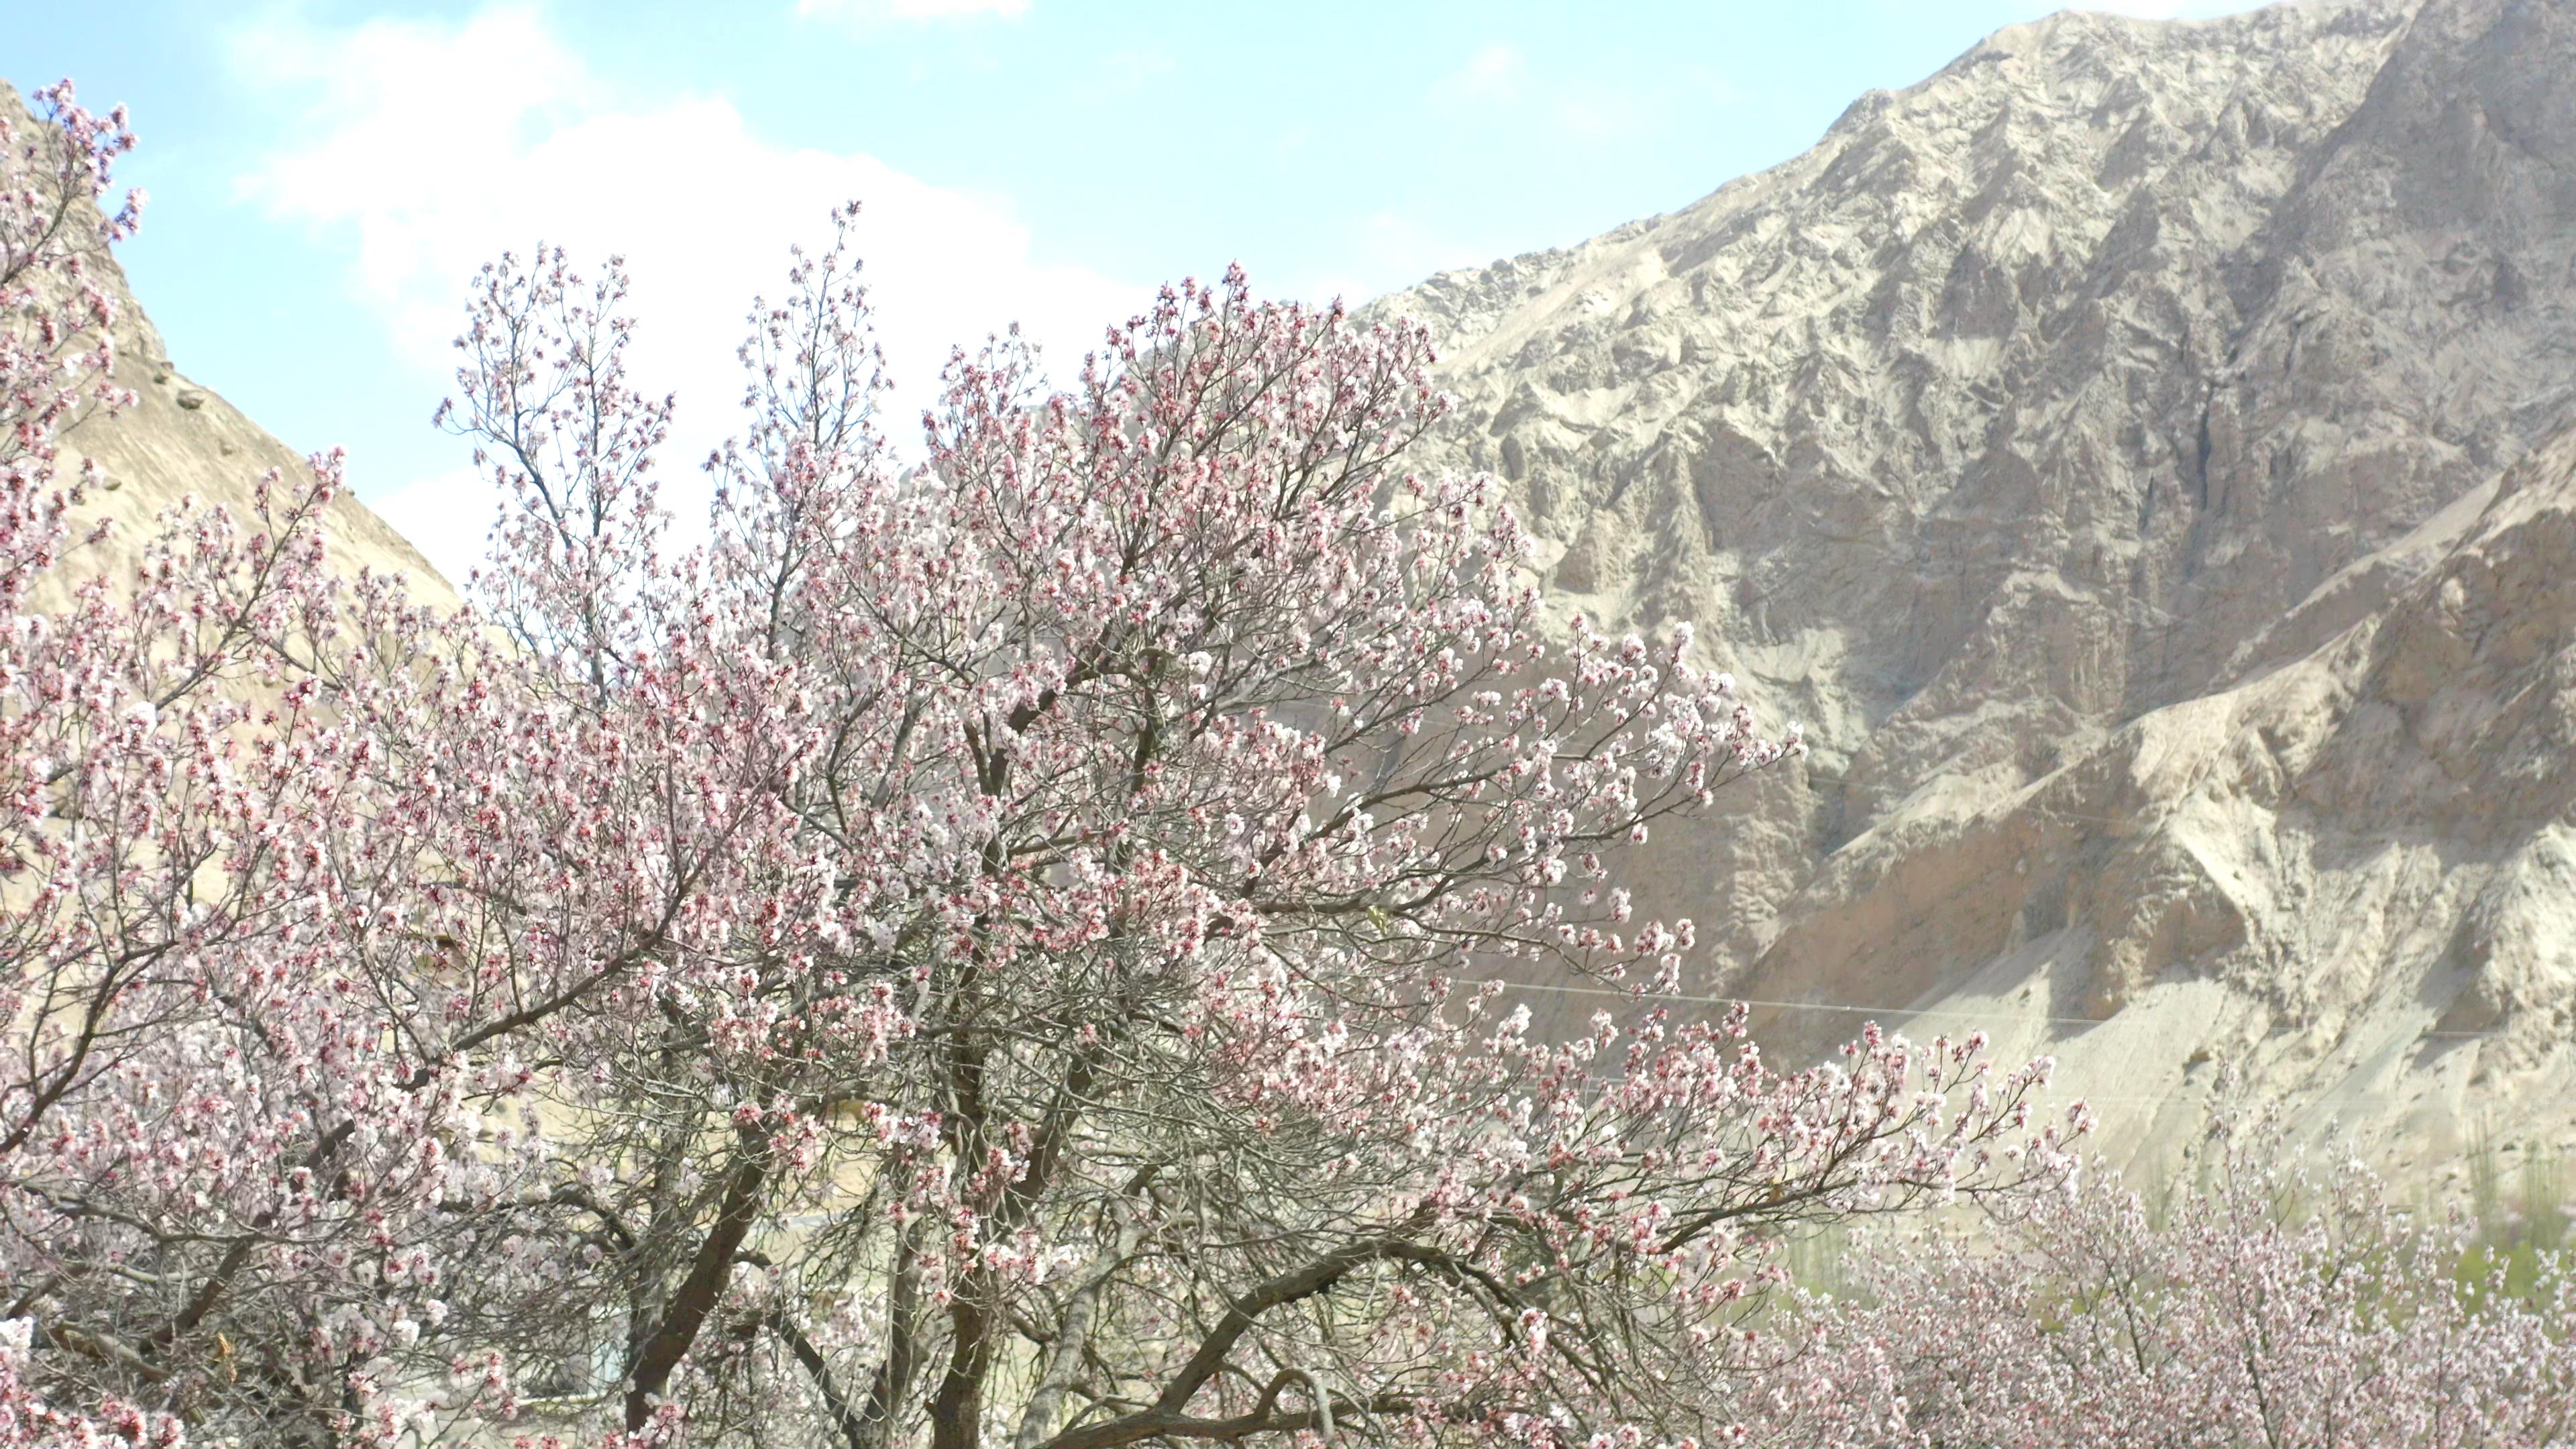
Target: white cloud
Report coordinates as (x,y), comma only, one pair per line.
(447,517)
(1491,77)
(1603,116)
(1499,78)
(432,147)
(1136,67)
(1386,252)
(867,10)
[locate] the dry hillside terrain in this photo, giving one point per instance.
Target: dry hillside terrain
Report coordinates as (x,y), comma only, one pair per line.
(180,439)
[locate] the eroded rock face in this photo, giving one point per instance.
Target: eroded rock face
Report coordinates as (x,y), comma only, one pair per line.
(2128,452)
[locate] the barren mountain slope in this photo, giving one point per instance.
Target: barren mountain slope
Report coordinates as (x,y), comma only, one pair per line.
(2071,441)
(180,439)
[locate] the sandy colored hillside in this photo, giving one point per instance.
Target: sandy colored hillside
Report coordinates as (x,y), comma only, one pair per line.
(181,438)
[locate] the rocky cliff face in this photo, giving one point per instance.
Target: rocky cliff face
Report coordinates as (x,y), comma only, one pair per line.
(2128,452)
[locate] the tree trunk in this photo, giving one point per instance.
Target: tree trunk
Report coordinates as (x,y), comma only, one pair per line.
(705,1284)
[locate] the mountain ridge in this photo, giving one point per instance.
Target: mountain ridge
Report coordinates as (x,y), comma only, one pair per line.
(2048,432)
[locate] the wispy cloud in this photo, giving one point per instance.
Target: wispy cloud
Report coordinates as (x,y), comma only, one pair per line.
(1387,251)
(1136,67)
(1502,78)
(431,147)
(1493,76)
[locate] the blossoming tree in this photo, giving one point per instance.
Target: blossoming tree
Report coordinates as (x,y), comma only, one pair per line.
(1001,949)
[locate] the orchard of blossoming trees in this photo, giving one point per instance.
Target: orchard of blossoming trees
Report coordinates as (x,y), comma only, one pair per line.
(986,952)
(2273,1305)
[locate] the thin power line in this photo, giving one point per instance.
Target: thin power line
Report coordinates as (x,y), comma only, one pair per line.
(2090,1099)
(1963,1013)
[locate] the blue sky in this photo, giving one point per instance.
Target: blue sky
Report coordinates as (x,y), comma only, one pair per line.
(325,176)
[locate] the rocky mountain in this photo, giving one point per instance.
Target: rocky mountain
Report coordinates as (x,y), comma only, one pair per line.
(2129,452)
(181,438)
